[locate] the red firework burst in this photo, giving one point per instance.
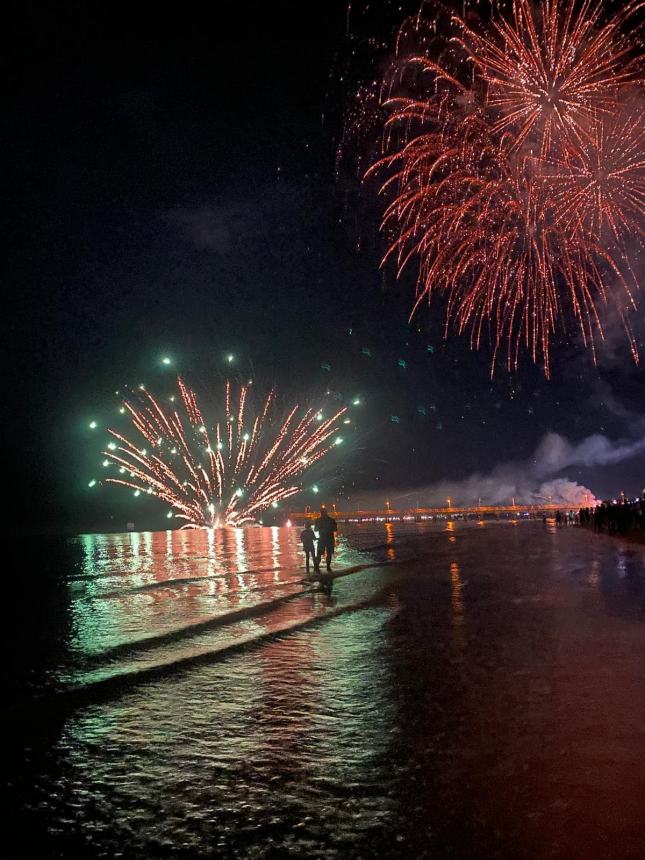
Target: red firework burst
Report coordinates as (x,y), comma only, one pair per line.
(552,67)
(601,186)
(505,164)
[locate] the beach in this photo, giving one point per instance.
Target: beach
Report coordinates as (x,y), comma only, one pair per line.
(466,690)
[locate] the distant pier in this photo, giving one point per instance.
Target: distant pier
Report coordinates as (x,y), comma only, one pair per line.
(421,514)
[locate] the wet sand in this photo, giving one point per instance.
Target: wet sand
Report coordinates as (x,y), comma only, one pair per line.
(480,695)
(532,688)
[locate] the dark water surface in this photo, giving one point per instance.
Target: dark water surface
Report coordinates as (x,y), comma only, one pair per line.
(466,691)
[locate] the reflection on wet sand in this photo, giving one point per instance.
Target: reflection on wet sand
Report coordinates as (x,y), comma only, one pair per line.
(475,693)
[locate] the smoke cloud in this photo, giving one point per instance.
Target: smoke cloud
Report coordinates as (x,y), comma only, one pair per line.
(555,453)
(533,481)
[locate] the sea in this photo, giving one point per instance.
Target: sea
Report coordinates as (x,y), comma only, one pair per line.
(465,689)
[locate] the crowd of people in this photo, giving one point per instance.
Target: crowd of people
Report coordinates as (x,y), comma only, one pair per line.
(615,517)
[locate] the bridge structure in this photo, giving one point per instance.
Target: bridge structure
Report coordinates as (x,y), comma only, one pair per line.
(389,514)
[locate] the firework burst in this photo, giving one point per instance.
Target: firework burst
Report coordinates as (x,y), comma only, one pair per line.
(552,68)
(513,175)
(224,472)
(600,187)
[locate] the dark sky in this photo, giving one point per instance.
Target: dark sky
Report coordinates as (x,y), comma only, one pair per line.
(173,189)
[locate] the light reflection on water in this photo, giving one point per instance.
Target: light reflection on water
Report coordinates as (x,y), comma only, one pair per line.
(150,583)
(484,700)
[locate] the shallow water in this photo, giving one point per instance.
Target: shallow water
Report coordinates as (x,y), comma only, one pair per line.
(466,691)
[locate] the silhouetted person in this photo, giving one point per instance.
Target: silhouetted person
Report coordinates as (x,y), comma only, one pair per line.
(326,528)
(622,517)
(558,519)
(307,537)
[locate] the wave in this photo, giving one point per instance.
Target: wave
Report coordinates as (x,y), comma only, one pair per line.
(61,701)
(93,577)
(214,621)
(179,582)
(188,630)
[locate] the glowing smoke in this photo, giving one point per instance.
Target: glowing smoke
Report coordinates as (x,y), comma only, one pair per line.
(534,481)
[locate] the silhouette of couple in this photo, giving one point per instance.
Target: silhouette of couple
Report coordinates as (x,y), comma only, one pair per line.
(326,528)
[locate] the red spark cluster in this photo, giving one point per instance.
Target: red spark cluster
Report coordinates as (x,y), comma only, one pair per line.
(512,162)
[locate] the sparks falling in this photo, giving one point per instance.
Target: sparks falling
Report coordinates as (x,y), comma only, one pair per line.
(221,473)
(512,166)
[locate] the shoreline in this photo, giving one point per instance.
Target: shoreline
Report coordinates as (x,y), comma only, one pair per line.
(635,537)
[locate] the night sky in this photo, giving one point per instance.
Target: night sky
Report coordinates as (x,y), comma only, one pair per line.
(173,189)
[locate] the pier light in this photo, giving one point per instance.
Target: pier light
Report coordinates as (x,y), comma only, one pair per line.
(166,360)
(274,504)
(92,483)
(93,425)
(136,493)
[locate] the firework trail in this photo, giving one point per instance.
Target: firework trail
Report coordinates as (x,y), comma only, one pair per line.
(602,189)
(223,473)
(514,174)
